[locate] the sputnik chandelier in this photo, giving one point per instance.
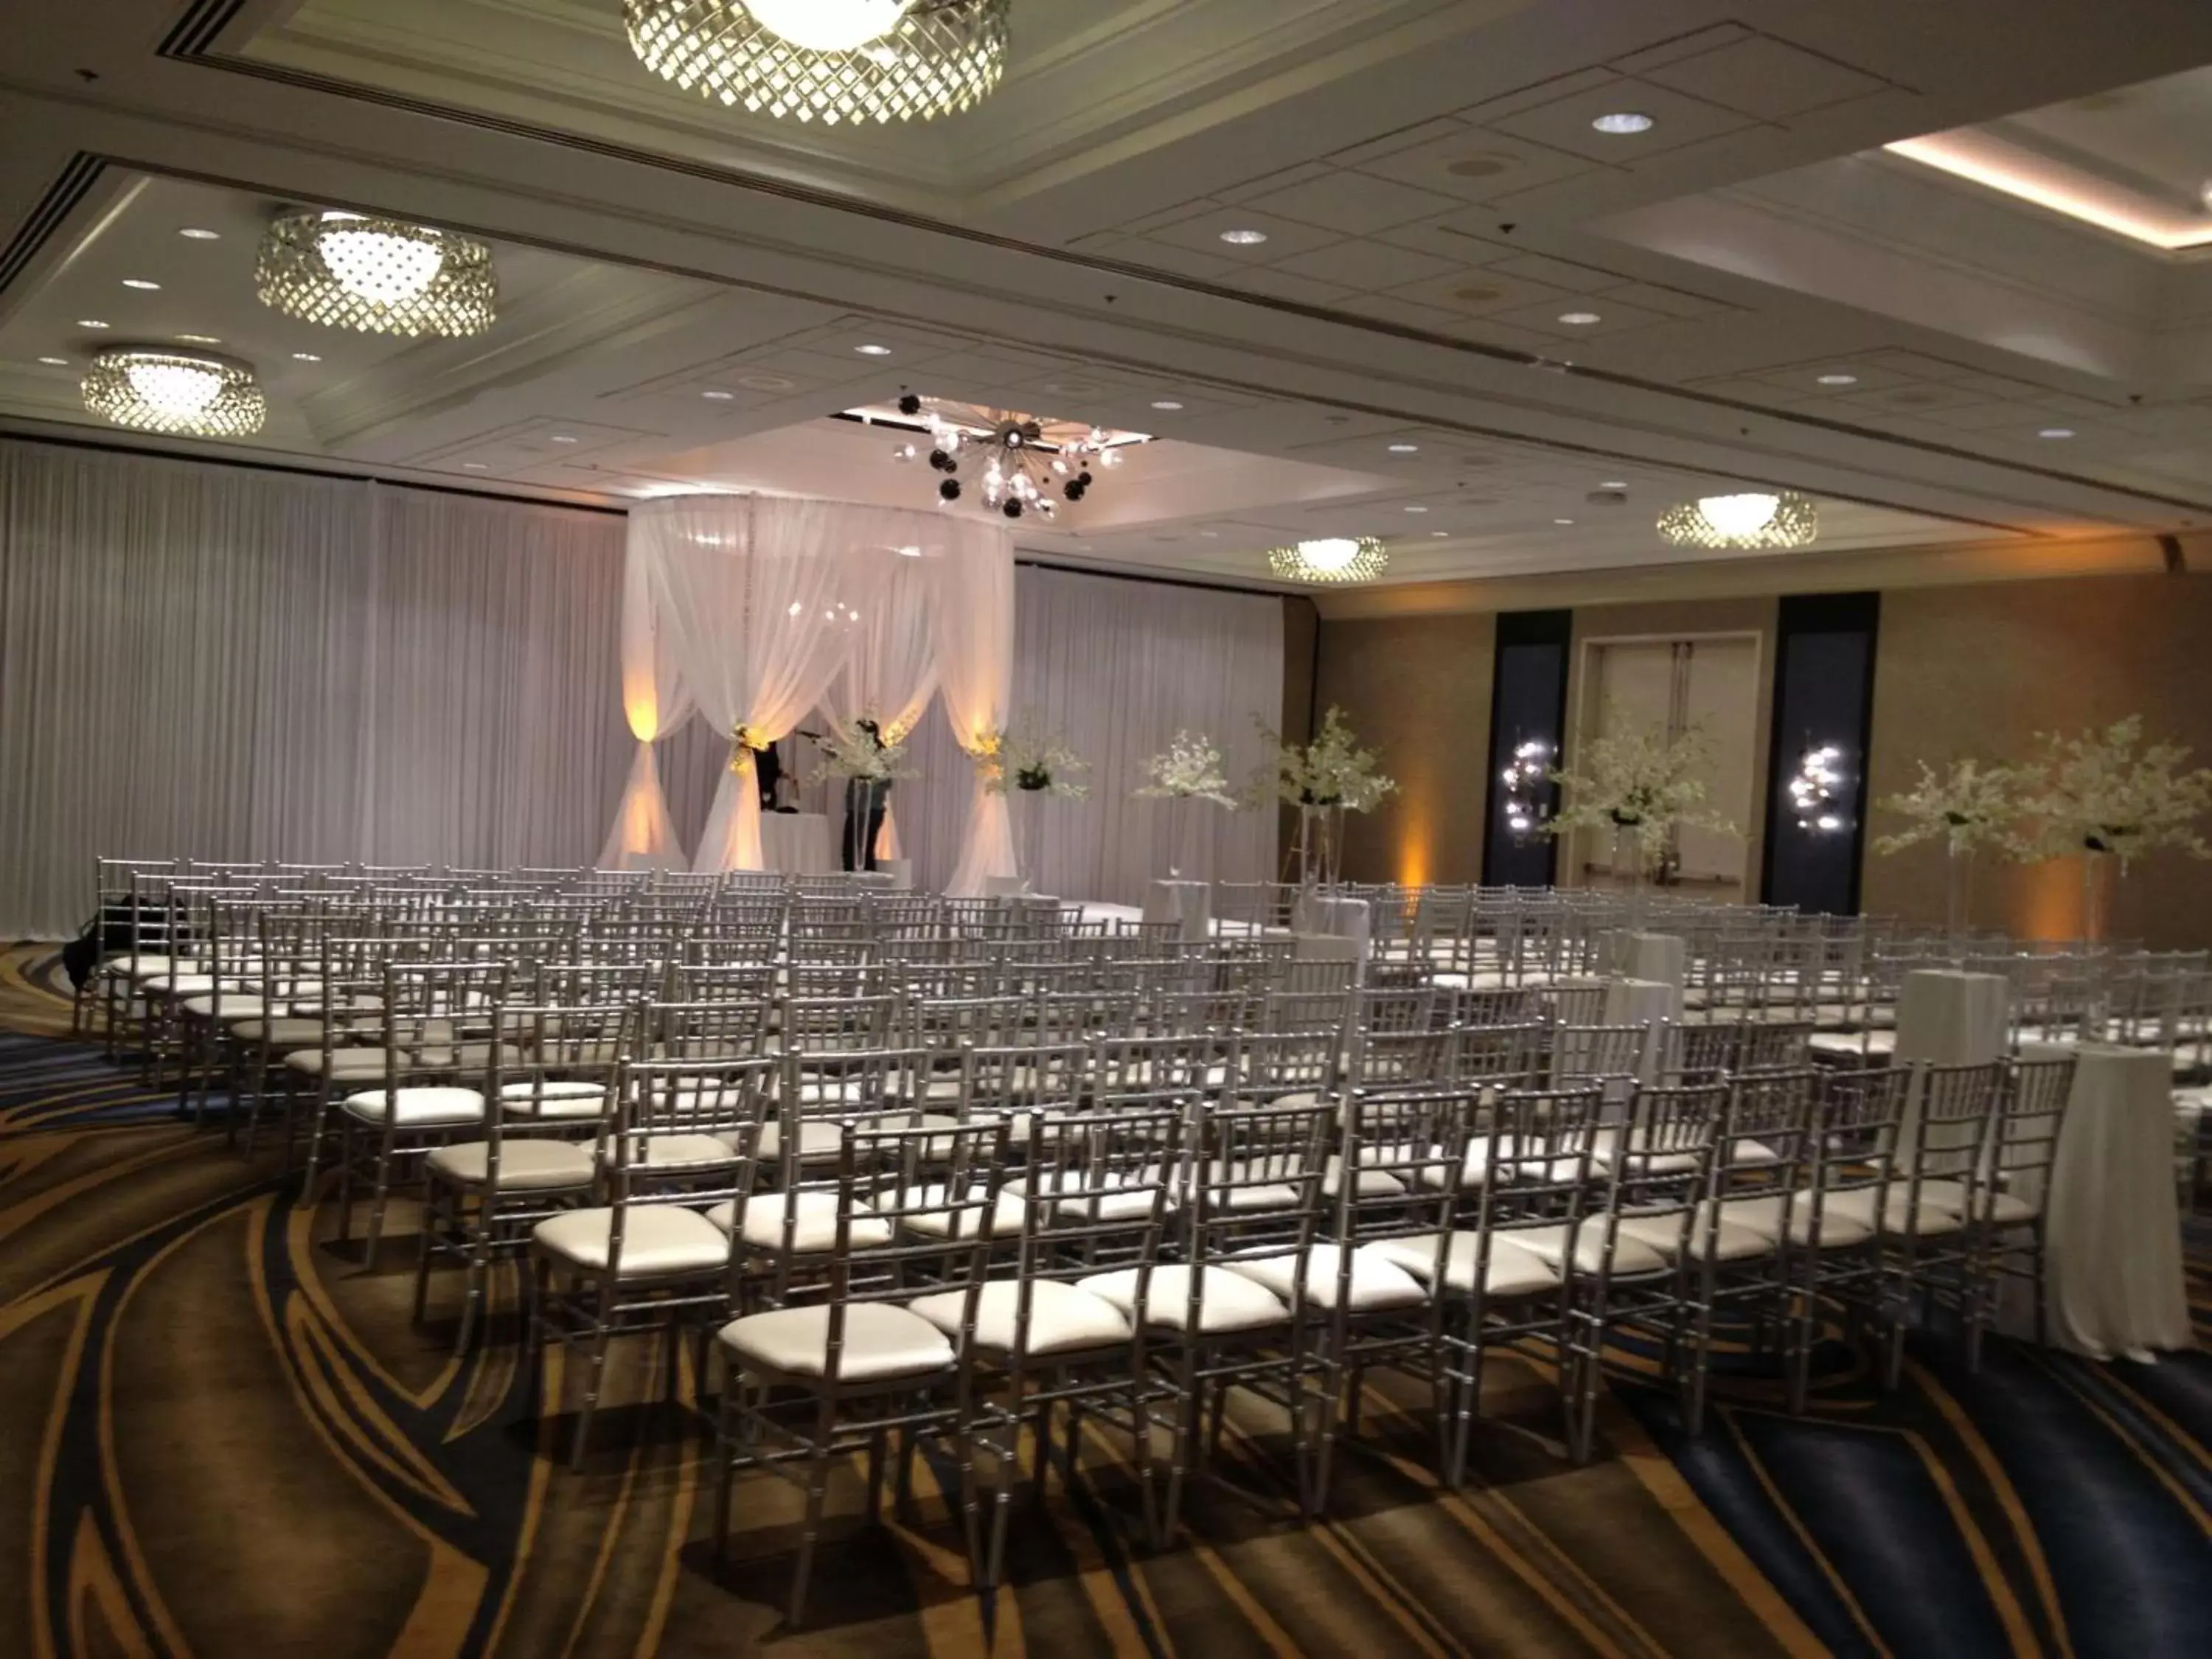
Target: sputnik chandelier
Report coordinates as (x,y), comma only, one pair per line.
(1021,465)
(379,275)
(1753,521)
(1527,776)
(1816,793)
(161,389)
(1331,559)
(827,60)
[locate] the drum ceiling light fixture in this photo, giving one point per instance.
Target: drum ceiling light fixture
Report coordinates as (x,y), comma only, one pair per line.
(827,60)
(160,389)
(1331,559)
(1753,521)
(376,275)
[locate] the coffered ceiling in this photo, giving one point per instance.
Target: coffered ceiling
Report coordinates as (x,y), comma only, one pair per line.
(1453,312)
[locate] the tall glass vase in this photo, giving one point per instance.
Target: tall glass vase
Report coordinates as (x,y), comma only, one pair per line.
(1333,843)
(1028,831)
(1629,873)
(1958,899)
(2096,896)
(1182,839)
(1309,849)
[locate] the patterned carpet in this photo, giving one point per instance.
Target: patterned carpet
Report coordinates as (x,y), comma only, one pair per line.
(227,1441)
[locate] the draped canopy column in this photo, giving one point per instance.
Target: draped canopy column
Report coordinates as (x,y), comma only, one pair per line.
(655,701)
(976,670)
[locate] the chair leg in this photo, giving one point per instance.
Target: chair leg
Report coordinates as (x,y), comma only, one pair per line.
(725,1469)
(817,1487)
(381,1195)
(431,1206)
(594,1373)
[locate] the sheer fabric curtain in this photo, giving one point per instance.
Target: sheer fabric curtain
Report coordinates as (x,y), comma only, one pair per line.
(891,674)
(655,701)
(976,670)
(747,589)
(1116,668)
(227,663)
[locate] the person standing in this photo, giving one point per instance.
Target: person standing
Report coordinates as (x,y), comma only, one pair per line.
(866,801)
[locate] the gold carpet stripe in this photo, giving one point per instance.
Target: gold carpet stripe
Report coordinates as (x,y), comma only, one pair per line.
(1094,1575)
(2120,1431)
(2176,1437)
(2008,1500)
(356,1416)
(85,1293)
(952,1626)
(609,1528)
(679,1523)
(1115,1591)
(22,1212)
(542,1456)
(93,1583)
(300,1244)
(1788,1513)
(1994,1581)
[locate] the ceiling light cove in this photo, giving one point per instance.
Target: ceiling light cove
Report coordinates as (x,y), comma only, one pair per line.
(377,276)
(1331,559)
(155,389)
(1755,520)
(830,61)
(1623,124)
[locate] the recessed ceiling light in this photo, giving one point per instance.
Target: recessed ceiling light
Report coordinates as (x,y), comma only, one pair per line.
(718,397)
(1417,509)
(873,350)
(1623,123)
(193,233)
(1839,380)
(767,383)
(90,322)
(1440,535)
(305,357)
(1243,237)
(55,362)
(1612,484)
(1580,319)
(1563,521)
(1165,403)
(198,339)
(1405,449)
(472,466)
(143,283)
(563,438)
(1211,535)
(2056,432)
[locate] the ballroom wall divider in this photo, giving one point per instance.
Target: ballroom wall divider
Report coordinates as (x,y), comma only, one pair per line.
(1528,707)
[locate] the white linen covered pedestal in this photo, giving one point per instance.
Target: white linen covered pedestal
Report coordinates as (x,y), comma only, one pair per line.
(798,844)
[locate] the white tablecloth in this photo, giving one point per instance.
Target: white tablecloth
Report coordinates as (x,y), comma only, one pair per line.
(1947,1017)
(797,844)
(1338,918)
(2112,1274)
(1661,956)
(1190,903)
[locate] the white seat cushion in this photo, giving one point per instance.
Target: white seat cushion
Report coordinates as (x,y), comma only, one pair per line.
(879,1342)
(1475,1171)
(1063,1318)
(151,963)
(821,1140)
(563,1099)
(469,1056)
(814,1223)
(1858,1205)
(232,1004)
(1372,1183)
(279,1033)
(524,1165)
(1662,1235)
(1511,1271)
(1100,1200)
(1260,1195)
(1006,1214)
(418,1108)
(1227,1301)
(671,1153)
(659,1240)
(1376,1284)
(345,1063)
(2010,1208)
(1764,1217)
(1854,1042)
(1549,1246)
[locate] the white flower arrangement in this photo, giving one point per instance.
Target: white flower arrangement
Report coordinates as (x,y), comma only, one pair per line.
(1641,780)
(1332,770)
(1968,805)
(1190,769)
(1035,766)
(857,752)
(2109,792)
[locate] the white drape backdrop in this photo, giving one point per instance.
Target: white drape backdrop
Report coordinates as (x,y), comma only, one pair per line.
(1115,668)
(976,670)
(224,663)
(656,701)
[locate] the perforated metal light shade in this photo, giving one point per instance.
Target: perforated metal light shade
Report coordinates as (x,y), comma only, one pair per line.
(1328,560)
(160,389)
(377,276)
(1795,522)
(946,56)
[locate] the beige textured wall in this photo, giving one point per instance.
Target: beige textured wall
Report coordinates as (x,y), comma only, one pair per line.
(1978,670)
(1418,689)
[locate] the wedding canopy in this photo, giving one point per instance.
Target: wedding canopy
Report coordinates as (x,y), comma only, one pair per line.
(754,609)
